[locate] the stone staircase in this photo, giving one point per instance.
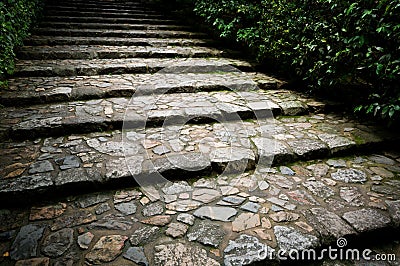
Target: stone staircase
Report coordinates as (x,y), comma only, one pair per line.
(129,139)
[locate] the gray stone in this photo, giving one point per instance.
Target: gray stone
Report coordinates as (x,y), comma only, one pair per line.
(85,239)
(263,185)
(382,159)
(366,219)
(308,148)
(229,190)
(186,218)
(176,229)
(153,209)
(182,254)
(170,198)
(245,221)
(394,210)
(112,222)
(161,150)
(350,175)
(277,201)
(207,233)
(215,213)
(328,224)
(58,242)
(336,143)
(92,200)
(319,189)
(25,244)
(136,254)
(390,188)
(205,183)
(291,108)
(41,167)
(205,195)
(336,163)
(319,170)
(68,162)
(246,250)
(289,238)
(177,187)
(270,150)
(144,235)
(126,208)
(231,201)
(183,205)
(286,170)
(275,208)
(251,207)
(382,172)
(102,208)
(107,249)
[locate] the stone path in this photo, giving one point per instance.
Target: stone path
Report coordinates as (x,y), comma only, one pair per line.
(110,100)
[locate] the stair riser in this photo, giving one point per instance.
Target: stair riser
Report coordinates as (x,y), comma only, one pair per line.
(79,126)
(45,40)
(109,26)
(127,34)
(110,20)
(132,14)
(110,9)
(106,55)
(107,70)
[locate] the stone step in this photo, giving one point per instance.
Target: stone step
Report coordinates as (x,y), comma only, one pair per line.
(37,90)
(100,19)
(92,161)
(118,33)
(46,68)
(112,52)
(156,42)
(105,13)
(108,26)
(96,8)
(96,4)
(145,107)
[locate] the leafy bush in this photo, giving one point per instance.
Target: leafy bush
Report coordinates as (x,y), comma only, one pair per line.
(16,17)
(327,43)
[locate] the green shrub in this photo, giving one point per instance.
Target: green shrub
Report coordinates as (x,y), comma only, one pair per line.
(16,17)
(326,43)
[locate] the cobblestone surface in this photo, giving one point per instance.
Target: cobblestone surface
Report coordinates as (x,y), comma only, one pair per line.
(233,233)
(255,168)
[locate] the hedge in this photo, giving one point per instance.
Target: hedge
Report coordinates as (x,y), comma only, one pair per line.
(326,43)
(16,18)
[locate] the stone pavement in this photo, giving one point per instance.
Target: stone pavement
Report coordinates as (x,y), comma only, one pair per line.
(111,99)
